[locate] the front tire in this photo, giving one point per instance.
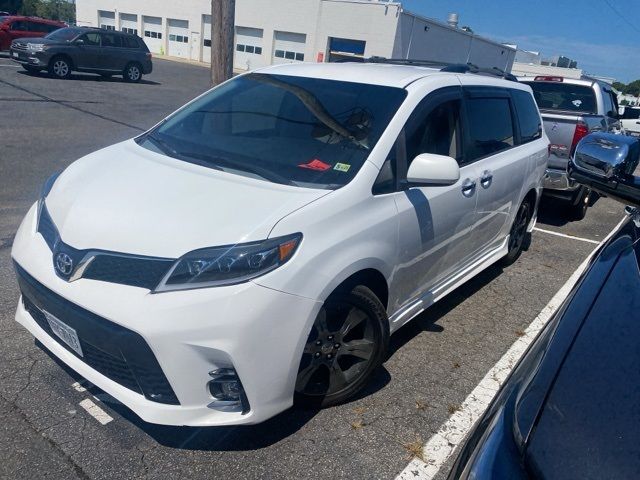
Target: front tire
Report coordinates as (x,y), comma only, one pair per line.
(60,67)
(132,73)
(348,341)
(518,233)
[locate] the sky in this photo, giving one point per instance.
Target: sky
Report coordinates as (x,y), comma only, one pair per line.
(600,34)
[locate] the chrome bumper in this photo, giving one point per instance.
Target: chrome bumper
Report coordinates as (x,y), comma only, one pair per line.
(558,180)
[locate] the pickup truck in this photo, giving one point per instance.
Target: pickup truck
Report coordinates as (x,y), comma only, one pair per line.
(571,109)
(630,120)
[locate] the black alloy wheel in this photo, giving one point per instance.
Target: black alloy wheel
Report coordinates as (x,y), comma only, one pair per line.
(518,234)
(348,341)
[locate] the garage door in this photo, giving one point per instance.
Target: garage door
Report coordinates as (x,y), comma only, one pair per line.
(178,31)
(288,47)
(152,27)
(206,38)
(129,23)
(248,48)
(107,20)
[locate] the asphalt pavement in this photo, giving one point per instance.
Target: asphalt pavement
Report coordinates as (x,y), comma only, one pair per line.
(434,363)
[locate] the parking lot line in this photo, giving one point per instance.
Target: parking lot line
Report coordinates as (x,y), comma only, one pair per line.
(95,411)
(451,434)
(78,388)
(564,235)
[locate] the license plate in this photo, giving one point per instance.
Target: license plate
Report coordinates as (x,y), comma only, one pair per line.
(67,334)
(15,54)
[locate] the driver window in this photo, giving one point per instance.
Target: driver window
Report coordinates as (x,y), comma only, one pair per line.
(438,132)
(91,39)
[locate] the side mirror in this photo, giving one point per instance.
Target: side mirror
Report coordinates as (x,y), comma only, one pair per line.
(606,163)
(429,169)
(79,42)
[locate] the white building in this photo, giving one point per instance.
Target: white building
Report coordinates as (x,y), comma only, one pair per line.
(276,31)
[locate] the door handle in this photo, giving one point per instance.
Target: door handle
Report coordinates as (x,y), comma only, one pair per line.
(468,187)
(486,179)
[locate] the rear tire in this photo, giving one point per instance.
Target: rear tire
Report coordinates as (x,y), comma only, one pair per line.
(348,341)
(518,233)
(132,72)
(60,67)
(579,210)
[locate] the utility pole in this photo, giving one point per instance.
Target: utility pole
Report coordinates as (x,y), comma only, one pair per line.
(222,29)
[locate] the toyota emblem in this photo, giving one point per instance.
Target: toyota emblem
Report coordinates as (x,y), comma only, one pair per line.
(64,263)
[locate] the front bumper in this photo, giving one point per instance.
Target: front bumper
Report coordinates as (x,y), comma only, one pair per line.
(28,57)
(258,331)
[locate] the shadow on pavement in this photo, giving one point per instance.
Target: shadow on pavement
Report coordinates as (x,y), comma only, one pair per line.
(88,78)
(554,213)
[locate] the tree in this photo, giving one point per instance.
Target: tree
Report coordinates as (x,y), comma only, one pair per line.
(222,29)
(52,9)
(624,102)
(632,88)
(11,6)
(618,86)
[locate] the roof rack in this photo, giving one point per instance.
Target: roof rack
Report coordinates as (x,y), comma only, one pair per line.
(471,68)
(445,67)
(405,61)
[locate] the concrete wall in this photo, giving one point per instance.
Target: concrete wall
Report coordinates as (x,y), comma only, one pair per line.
(425,39)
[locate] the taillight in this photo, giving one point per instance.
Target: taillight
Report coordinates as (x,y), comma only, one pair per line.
(546,78)
(149,55)
(581,131)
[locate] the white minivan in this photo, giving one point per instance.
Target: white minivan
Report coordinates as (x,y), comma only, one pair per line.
(259,245)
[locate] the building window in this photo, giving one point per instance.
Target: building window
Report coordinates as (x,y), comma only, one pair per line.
(152,34)
(178,38)
(300,57)
(107,27)
(279,53)
(249,49)
(132,31)
(207,42)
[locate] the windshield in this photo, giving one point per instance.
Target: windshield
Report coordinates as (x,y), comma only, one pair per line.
(298,131)
(64,34)
(564,96)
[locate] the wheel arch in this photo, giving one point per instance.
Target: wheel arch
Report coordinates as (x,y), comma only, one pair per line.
(66,56)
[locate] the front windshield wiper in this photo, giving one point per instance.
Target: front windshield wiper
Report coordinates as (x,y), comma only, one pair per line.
(219,163)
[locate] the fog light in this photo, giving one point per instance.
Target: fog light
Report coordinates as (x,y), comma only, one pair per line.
(226,389)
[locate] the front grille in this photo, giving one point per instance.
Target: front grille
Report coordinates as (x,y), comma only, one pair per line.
(113,267)
(19,46)
(115,351)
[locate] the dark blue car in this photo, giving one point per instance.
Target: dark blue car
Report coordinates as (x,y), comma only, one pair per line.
(571,407)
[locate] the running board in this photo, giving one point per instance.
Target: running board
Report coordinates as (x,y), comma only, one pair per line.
(405,315)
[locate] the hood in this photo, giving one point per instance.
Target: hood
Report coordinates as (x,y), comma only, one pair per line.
(39,40)
(128,199)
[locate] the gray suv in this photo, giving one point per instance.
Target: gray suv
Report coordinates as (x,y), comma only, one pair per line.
(92,50)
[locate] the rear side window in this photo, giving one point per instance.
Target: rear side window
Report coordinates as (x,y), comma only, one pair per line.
(130,42)
(528,116)
(111,40)
(490,126)
(564,96)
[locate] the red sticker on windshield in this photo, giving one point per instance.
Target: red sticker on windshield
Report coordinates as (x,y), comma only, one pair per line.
(316,164)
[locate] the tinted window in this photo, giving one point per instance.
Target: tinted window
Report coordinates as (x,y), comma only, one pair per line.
(91,39)
(631,113)
(294,130)
(490,126)
(19,26)
(528,116)
(437,133)
(130,42)
(564,96)
(65,34)
(111,40)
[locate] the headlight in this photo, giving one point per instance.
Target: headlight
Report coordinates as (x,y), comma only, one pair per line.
(36,47)
(217,266)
